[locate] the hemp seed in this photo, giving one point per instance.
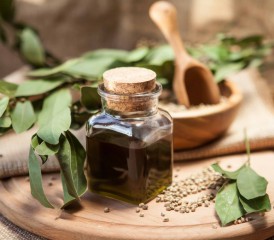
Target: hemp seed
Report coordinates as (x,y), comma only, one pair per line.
(106,210)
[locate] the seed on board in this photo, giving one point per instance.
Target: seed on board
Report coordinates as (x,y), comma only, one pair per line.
(137,210)
(27,179)
(145,207)
(162,214)
(141,205)
(106,210)
(166,220)
(214,226)
(141,215)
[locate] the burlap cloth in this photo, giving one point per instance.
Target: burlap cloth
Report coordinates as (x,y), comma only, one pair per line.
(256,115)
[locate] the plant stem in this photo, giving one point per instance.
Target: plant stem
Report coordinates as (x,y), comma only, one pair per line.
(247,147)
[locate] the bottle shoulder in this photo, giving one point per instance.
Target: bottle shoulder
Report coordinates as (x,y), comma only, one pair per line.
(137,127)
(162,117)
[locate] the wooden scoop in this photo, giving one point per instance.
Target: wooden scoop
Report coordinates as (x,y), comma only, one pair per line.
(193,82)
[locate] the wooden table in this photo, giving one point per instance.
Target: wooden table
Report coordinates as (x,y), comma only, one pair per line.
(88,220)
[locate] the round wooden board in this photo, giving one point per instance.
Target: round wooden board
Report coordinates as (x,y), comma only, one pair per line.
(89,221)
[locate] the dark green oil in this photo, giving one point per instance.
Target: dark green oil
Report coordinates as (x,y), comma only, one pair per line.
(128,169)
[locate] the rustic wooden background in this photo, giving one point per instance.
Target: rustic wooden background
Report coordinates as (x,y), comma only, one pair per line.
(69,28)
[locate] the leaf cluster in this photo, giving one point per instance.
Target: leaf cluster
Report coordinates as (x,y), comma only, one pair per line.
(229,55)
(243,193)
(54,138)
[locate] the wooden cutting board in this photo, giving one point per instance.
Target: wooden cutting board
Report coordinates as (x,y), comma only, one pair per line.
(88,220)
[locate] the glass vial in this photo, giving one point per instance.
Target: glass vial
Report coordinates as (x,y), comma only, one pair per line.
(129,143)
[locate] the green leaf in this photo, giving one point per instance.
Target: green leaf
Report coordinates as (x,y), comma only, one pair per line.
(36,87)
(136,55)
(163,81)
(158,55)
(227,204)
(107,53)
(227,174)
(8,88)
(78,156)
(68,199)
(55,116)
(36,180)
(23,116)
(226,70)
(90,99)
(250,184)
(35,141)
(89,68)
(46,72)
(46,149)
(216,52)
(258,204)
(31,47)
(5,122)
(4,102)
(256,62)
(71,157)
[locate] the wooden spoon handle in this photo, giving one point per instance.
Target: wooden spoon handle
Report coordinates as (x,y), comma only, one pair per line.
(164,15)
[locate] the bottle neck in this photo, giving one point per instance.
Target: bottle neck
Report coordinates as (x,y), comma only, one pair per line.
(131,105)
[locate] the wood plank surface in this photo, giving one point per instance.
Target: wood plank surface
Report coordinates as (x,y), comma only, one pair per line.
(88,220)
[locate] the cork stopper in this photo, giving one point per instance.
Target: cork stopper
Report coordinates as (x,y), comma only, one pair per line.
(130,89)
(129,80)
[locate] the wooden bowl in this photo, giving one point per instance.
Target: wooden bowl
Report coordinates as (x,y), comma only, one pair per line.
(195,127)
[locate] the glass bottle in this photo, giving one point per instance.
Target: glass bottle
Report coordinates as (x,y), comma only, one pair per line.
(129,143)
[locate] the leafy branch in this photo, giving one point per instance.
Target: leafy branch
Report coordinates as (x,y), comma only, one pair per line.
(243,193)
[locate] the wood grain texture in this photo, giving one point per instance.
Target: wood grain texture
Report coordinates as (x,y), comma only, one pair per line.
(195,128)
(88,221)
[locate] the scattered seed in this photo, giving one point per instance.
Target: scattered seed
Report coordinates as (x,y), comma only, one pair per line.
(1,155)
(141,205)
(239,221)
(228,166)
(162,214)
(168,208)
(53,178)
(27,179)
(214,226)
(137,210)
(176,175)
(166,220)
(106,210)
(141,215)
(50,184)
(145,207)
